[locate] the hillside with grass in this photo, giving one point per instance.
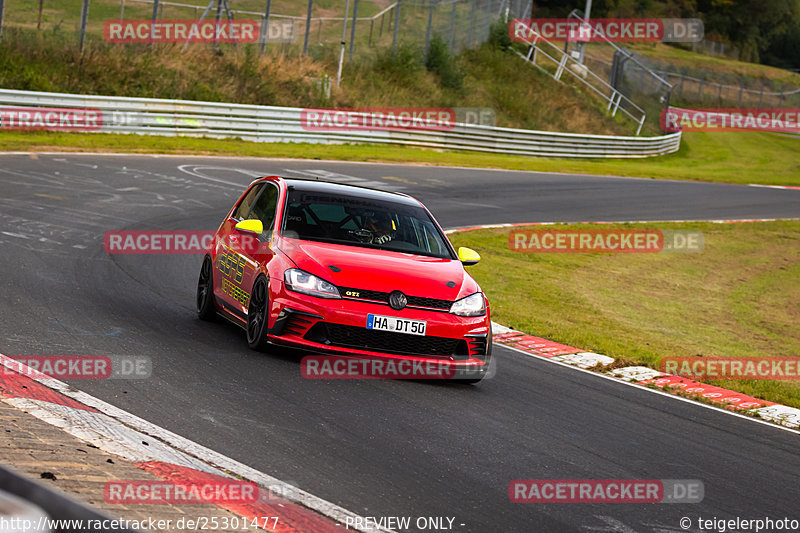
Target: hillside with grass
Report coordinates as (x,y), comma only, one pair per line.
(487,76)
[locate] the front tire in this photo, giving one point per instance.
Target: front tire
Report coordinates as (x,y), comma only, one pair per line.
(205,292)
(258,315)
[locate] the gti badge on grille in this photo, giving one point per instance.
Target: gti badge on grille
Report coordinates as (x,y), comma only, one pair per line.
(397,300)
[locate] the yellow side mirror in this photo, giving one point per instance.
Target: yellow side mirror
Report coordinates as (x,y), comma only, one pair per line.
(250,226)
(468,256)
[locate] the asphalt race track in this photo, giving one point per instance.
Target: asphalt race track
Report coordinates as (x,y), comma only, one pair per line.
(375,447)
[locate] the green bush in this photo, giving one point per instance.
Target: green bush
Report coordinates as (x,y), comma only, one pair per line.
(498,36)
(445,65)
(400,65)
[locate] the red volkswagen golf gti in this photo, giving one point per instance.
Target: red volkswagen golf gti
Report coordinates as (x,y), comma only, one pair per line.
(339,269)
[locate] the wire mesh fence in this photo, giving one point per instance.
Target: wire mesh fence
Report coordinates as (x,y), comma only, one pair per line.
(292,26)
(359,30)
(640,88)
(720,89)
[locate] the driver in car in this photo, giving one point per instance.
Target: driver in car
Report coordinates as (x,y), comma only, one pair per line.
(382,227)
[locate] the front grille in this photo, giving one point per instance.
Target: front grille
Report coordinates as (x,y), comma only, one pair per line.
(385,341)
(413,301)
(419,301)
(365,294)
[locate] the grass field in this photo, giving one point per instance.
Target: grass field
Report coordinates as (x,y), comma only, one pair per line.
(739,296)
(743,158)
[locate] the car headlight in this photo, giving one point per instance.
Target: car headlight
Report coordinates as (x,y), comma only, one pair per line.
(301,281)
(472,305)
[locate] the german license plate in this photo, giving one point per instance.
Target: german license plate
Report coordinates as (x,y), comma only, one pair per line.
(400,325)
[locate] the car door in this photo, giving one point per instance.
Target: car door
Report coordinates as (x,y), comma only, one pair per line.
(229,268)
(255,250)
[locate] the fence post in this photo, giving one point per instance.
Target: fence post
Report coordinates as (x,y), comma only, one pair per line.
(471,23)
(453,24)
(353,29)
(396,25)
(488,21)
(2,8)
(308,26)
(265,27)
(84,19)
(218,18)
(344,35)
(428,31)
(153,20)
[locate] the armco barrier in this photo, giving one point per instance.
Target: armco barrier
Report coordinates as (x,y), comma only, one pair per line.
(282,124)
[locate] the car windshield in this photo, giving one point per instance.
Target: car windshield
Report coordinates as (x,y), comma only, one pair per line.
(363,221)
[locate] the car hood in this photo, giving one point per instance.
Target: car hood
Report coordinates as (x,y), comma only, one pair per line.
(380,270)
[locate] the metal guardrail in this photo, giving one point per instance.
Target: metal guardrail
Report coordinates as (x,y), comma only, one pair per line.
(283,124)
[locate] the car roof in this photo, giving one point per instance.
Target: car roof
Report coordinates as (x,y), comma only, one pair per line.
(329,187)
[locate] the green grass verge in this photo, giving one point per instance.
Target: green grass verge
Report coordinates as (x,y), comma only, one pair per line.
(742,158)
(740,296)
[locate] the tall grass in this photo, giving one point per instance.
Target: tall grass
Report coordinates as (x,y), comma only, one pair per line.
(485,77)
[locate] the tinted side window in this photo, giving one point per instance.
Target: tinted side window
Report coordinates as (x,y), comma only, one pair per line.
(265,207)
(247,202)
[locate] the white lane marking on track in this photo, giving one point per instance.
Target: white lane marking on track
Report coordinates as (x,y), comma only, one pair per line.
(181,444)
(17,235)
(653,391)
(784,187)
(612,526)
(599,222)
(192,170)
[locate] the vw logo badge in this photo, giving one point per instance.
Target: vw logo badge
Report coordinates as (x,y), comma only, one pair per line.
(397,300)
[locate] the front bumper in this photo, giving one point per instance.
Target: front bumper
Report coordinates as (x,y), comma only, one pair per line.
(338,326)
